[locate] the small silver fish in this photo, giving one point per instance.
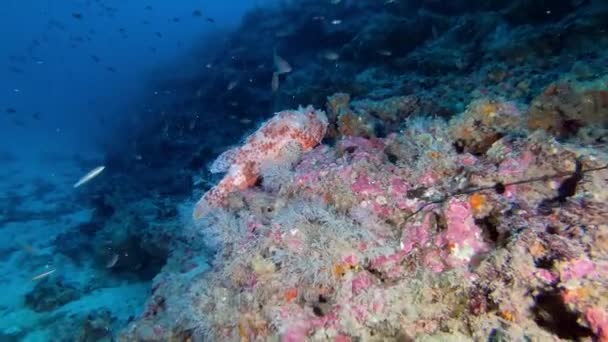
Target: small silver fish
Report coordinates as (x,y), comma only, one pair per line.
(281,65)
(232,85)
(90,175)
(275,82)
(44,275)
(386,53)
(336,22)
(112,262)
(331,56)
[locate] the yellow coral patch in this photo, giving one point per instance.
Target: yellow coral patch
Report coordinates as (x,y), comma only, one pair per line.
(507,315)
(488,108)
(477,202)
(537,249)
(339,270)
(262,266)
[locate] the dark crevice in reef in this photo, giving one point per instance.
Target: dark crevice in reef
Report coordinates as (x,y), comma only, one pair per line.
(552,314)
(490,227)
(137,262)
(545,263)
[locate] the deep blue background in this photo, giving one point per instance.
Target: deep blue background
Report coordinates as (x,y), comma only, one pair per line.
(47,64)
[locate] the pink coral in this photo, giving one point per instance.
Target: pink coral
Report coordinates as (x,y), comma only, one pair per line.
(513,169)
(300,129)
(546,276)
(342,338)
(361,282)
(462,237)
(576,269)
(416,235)
(598,320)
(296,332)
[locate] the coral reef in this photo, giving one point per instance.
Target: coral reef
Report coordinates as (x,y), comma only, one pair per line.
(483,123)
(457,228)
(562,111)
(455,189)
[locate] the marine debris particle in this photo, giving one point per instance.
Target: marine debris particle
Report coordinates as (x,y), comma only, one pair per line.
(304,128)
(568,186)
(90,175)
(566,189)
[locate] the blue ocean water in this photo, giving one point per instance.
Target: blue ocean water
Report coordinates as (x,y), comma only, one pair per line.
(73,73)
(113,112)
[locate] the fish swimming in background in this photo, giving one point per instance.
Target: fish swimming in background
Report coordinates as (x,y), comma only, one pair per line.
(331,55)
(44,275)
(232,85)
(386,53)
(281,65)
(275,82)
(112,262)
(90,175)
(303,128)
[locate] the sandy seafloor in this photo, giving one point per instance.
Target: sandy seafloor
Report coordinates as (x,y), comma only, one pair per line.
(42,190)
